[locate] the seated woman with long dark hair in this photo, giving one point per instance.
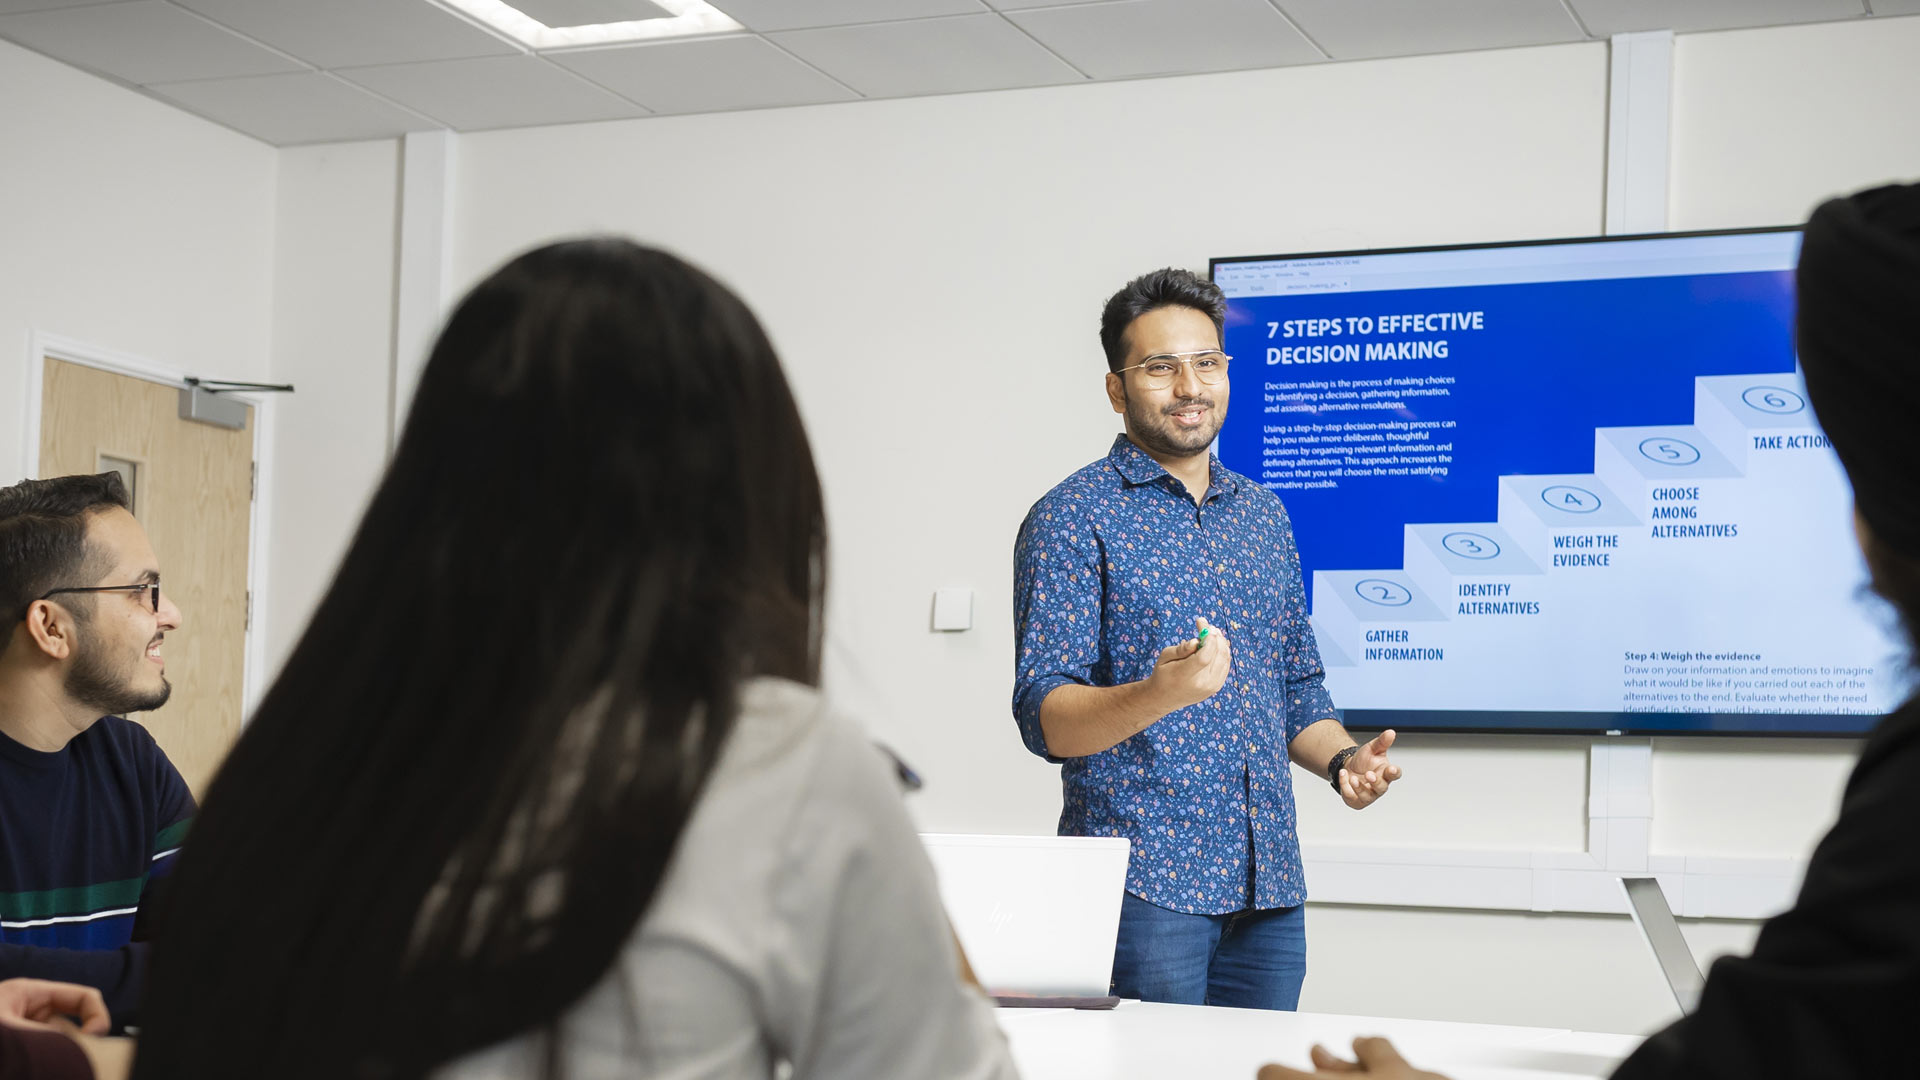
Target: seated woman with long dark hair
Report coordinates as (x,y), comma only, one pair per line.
(547,787)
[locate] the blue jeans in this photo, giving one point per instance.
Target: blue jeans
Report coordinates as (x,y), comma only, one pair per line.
(1253,959)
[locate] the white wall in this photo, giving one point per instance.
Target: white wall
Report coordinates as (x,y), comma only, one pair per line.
(1769,123)
(931,270)
(127,225)
(333,340)
(132,226)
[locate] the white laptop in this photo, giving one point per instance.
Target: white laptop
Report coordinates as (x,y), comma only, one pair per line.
(1661,930)
(1037,915)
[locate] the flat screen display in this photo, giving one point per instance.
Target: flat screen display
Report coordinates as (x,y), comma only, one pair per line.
(1566,486)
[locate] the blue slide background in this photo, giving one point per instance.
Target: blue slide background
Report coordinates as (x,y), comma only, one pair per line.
(1554,362)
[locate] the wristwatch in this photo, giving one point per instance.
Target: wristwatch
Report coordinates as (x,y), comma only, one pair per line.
(1339,762)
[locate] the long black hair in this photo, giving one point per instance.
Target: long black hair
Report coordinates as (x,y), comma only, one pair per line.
(1857,286)
(459,797)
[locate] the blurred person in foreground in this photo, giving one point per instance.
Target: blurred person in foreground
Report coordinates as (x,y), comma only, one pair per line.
(1832,981)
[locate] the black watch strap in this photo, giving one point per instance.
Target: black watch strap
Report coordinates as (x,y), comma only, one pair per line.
(1339,762)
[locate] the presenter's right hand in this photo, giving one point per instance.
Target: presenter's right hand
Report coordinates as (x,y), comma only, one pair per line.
(1191,671)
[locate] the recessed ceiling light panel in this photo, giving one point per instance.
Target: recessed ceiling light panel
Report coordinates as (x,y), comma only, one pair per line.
(646,19)
(562,14)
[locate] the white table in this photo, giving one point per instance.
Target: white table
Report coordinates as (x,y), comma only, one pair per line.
(1144,1041)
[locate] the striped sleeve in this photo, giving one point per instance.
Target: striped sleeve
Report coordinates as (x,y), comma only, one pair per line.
(174,807)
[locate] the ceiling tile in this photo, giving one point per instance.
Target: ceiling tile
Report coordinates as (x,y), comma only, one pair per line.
(143,42)
(355,33)
(1023,5)
(1354,29)
(1607,17)
(14,7)
(493,92)
(287,110)
(1163,37)
(796,14)
(929,56)
(704,76)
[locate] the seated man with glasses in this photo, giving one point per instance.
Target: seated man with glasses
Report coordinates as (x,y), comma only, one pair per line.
(1130,579)
(91,810)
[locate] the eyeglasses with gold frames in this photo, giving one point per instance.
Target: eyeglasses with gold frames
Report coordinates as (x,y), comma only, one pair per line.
(1158,371)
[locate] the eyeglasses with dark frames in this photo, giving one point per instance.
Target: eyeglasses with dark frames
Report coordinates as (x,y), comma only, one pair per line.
(152,588)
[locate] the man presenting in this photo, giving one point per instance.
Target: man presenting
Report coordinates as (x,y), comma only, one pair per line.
(91,810)
(1164,657)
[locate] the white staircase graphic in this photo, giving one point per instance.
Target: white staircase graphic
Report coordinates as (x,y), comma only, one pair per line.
(1663,509)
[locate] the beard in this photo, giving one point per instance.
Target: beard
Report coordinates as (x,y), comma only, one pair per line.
(108,688)
(1155,431)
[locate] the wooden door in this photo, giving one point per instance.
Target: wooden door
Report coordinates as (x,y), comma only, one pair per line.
(192,487)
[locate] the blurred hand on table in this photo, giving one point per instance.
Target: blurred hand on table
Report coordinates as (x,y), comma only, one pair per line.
(1375,1059)
(47,1006)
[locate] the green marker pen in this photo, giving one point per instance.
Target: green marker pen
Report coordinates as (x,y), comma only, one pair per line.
(1201,640)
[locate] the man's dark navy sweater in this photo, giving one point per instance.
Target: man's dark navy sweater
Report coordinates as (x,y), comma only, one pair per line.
(85,831)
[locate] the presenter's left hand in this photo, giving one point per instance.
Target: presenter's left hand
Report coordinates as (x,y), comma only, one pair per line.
(1375,1058)
(1368,773)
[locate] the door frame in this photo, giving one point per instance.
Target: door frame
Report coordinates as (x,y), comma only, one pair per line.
(43,346)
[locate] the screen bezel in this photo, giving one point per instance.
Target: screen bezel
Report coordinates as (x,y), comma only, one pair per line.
(1605,724)
(1213,264)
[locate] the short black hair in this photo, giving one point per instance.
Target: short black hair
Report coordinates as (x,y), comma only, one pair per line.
(1167,287)
(43,534)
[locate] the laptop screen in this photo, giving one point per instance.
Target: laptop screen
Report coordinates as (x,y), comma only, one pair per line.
(1037,915)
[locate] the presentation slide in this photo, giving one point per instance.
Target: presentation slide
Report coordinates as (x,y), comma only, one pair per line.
(1566,487)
